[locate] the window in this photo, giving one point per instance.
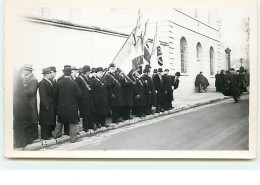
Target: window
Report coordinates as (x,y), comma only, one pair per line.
(199,56)
(184,55)
(211,56)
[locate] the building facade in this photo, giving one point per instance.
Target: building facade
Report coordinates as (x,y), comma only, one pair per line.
(190,39)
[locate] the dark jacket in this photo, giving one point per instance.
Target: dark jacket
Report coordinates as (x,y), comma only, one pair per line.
(47,114)
(86,105)
(175,82)
(160,88)
(99,94)
(149,90)
(128,92)
(68,95)
(139,96)
(200,79)
(114,90)
(168,87)
(30,87)
(21,107)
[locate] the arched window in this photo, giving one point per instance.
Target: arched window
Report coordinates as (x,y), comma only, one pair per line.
(199,56)
(211,56)
(184,55)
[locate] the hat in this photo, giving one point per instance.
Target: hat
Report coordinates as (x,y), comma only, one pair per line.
(146,70)
(67,69)
(177,74)
(27,67)
(73,68)
(148,66)
(85,68)
(46,70)
(112,65)
(94,70)
(155,71)
(99,69)
(201,72)
(166,70)
(160,70)
(53,68)
(80,70)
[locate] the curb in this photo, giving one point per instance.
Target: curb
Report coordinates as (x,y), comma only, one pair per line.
(64,138)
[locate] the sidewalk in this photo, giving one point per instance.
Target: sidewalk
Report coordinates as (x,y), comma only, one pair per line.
(179,104)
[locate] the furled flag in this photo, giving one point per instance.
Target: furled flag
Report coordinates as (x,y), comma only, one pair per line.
(156,52)
(147,54)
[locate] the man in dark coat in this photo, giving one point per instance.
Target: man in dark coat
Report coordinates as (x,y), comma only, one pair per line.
(21,113)
(159,90)
(167,80)
(86,105)
(128,93)
(217,82)
(201,82)
(47,116)
(30,87)
(114,92)
(234,83)
(175,83)
(150,95)
(99,95)
(139,98)
(68,96)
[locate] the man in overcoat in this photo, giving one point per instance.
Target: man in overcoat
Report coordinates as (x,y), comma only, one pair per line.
(167,80)
(99,94)
(139,98)
(114,93)
(68,96)
(47,116)
(234,82)
(159,90)
(86,106)
(30,87)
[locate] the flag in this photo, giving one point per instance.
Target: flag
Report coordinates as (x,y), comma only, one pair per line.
(156,52)
(147,54)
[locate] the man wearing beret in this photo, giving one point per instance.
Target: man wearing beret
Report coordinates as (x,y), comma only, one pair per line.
(114,92)
(30,87)
(68,96)
(47,116)
(86,106)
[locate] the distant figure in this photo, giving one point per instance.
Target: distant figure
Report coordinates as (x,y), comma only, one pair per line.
(201,82)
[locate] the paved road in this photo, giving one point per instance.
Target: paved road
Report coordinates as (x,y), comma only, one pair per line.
(220,126)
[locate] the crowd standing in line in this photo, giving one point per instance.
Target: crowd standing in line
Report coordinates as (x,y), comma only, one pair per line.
(94,95)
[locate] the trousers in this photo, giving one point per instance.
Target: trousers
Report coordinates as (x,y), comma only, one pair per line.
(72,131)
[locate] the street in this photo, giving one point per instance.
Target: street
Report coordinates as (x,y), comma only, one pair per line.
(219,126)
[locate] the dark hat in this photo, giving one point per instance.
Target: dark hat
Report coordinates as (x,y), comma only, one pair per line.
(201,72)
(80,70)
(27,67)
(148,66)
(160,70)
(67,69)
(146,70)
(93,70)
(155,71)
(99,69)
(177,74)
(166,70)
(73,68)
(46,70)
(112,65)
(53,69)
(85,68)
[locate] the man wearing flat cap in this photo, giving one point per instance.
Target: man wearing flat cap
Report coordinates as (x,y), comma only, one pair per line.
(86,105)
(68,95)
(30,87)
(114,92)
(47,116)
(99,94)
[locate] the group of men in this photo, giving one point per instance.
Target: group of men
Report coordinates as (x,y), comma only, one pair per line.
(91,94)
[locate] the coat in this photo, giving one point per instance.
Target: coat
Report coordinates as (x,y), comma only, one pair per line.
(21,115)
(30,87)
(99,94)
(114,90)
(149,90)
(200,79)
(139,90)
(160,88)
(86,105)
(68,96)
(128,92)
(168,87)
(47,115)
